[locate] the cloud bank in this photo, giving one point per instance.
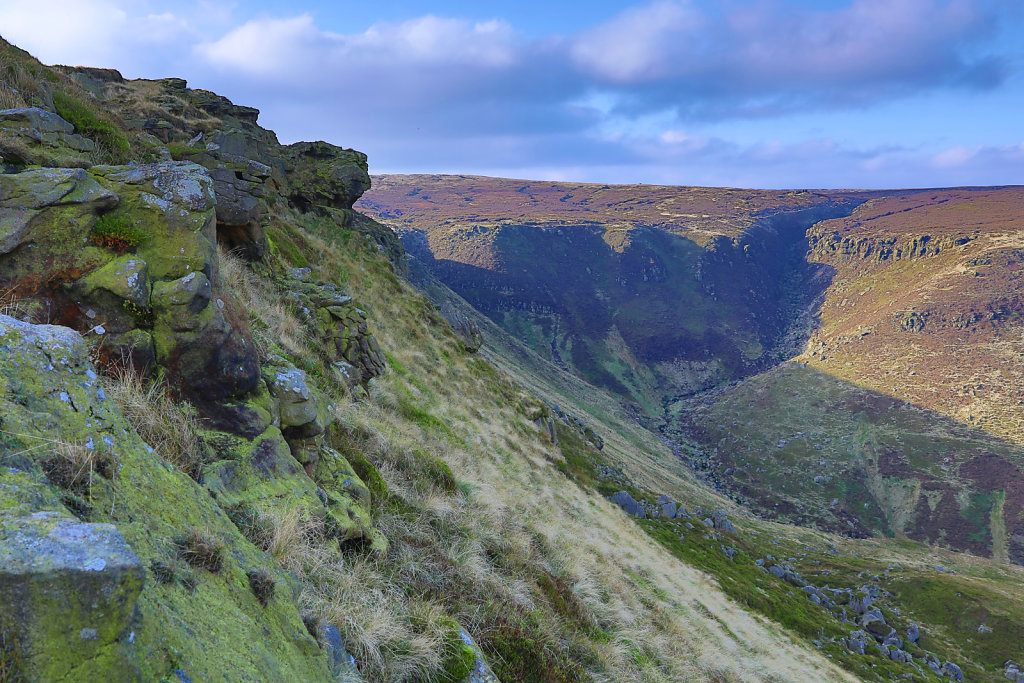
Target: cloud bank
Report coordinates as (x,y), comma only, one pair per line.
(629,99)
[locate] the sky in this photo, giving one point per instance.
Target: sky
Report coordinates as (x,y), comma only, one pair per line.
(759,93)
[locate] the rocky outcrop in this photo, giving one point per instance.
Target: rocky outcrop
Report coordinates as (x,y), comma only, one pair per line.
(153,295)
(465,329)
(70,589)
(106,603)
(33,135)
(340,325)
(826,245)
(323,175)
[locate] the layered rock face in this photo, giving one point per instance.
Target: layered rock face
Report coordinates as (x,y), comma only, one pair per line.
(121,264)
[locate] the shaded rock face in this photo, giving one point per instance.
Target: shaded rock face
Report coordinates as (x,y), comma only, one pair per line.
(162,303)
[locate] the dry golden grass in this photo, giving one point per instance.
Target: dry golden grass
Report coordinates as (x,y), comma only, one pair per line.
(273,321)
(170,427)
(477,513)
(512,517)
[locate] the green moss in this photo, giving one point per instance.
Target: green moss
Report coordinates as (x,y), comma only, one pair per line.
(361,465)
(117,233)
(181,151)
(459,657)
(92,122)
(436,471)
(286,243)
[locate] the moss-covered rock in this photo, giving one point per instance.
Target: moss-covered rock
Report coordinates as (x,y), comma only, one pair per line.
(197,337)
(321,174)
(210,626)
(348,498)
(302,410)
(70,590)
(342,328)
(32,135)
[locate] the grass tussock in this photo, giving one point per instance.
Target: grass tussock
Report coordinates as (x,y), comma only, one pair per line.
(72,466)
(273,322)
(170,427)
(262,584)
(202,551)
(10,659)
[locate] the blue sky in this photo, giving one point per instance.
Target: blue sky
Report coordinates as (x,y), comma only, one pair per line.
(762,93)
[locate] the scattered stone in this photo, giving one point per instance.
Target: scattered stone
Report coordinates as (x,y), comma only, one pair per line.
(951,670)
(628,504)
(721,522)
(856,641)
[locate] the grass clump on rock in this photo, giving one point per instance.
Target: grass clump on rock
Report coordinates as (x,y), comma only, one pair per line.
(116,233)
(202,551)
(262,585)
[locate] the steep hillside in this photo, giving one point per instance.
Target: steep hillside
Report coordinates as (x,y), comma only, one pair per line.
(903,414)
(902,311)
(591,276)
(237,444)
(218,466)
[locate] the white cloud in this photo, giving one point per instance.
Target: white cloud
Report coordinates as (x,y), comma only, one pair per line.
(71,32)
(625,100)
(295,47)
(954,156)
(642,43)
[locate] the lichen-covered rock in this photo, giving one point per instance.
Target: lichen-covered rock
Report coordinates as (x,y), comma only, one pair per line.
(481,671)
(50,211)
(69,590)
(348,498)
(321,174)
(207,625)
(464,327)
(126,278)
(721,522)
(32,135)
(302,410)
(342,327)
(667,507)
(197,336)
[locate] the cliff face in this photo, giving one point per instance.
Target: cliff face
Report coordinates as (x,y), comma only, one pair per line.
(114,559)
(649,292)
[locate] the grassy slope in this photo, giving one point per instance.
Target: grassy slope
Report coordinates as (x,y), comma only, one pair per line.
(981,591)
(482,548)
(988,591)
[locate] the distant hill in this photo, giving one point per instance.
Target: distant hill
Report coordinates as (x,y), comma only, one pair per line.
(901,311)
